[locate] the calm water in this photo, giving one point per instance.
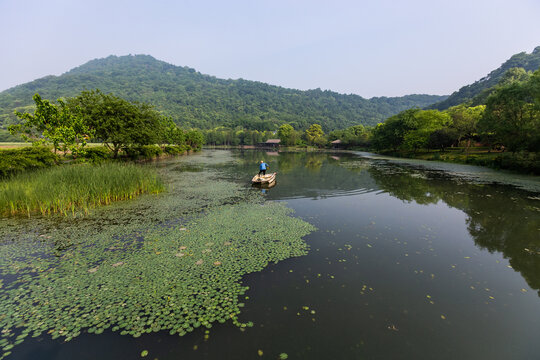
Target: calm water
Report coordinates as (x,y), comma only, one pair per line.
(408,262)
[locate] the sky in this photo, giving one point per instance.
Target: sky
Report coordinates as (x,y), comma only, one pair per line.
(369,48)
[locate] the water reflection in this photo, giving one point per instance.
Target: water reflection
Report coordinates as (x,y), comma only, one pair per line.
(309,174)
(406,264)
(500,218)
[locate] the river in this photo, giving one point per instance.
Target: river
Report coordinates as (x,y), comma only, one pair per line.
(409,260)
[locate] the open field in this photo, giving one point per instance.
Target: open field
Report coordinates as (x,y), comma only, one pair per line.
(13,145)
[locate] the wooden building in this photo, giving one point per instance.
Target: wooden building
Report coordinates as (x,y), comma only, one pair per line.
(337,144)
(271,143)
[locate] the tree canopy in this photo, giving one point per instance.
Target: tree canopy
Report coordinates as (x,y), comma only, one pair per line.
(510,120)
(94,115)
(117,122)
(512,115)
(52,123)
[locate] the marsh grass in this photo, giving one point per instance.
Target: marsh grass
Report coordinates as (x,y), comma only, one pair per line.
(70,188)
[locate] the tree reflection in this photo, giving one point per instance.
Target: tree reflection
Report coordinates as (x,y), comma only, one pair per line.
(500,218)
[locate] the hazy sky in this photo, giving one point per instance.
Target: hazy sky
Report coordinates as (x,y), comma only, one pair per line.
(370,48)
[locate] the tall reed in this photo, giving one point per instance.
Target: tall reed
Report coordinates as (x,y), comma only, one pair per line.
(66,189)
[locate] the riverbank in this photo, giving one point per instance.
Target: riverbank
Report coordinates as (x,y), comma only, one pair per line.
(14,160)
(520,162)
(270,149)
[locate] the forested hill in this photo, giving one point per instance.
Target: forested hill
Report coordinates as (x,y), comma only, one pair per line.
(477,92)
(193,99)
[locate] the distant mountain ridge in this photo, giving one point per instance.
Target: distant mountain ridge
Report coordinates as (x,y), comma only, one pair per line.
(478,90)
(193,99)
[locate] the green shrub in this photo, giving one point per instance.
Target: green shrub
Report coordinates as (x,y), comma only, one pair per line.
(471,159)
(13,161)
(173,149)
(523,161)
(97,154)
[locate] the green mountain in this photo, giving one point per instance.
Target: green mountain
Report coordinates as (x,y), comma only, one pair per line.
(478,92)
(193,99)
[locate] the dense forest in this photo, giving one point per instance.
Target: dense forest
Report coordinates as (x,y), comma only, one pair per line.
(507,127)
(478,92)
(193,99)
(509,119)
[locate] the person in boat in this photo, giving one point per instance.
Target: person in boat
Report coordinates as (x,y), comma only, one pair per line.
(262,167)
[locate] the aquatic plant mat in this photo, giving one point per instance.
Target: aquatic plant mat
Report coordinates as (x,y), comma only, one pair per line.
(169,262)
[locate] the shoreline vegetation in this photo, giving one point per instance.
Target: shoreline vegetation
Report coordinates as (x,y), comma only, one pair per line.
(35,180)
(67,189)
(501,132)
(61,174)
(519,162)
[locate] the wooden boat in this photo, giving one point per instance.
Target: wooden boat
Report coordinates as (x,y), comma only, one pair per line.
(264,179)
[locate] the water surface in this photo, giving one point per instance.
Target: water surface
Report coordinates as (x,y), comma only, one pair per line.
(410,261)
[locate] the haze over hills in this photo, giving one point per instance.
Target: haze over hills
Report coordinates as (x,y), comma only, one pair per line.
(193,99)
(477,92)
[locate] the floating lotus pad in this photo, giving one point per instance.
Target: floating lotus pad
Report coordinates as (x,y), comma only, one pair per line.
(133,280)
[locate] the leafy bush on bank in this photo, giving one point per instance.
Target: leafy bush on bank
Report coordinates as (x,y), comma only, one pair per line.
(176,149)
(13,161)
(97,154)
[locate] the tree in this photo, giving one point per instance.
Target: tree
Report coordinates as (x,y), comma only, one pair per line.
(195,139)
(119,123)
(356,135)
(391,133)
(442,138)
(173,134)
(315,135)
(465,121)
(56,124)
(384,136)
(421,125)
(287,135)
(515,74)
(512,116)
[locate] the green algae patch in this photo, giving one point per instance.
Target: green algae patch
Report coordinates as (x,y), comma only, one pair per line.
(157,272)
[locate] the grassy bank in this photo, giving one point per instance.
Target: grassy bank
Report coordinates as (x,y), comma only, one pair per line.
(65,189)
(522,162)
